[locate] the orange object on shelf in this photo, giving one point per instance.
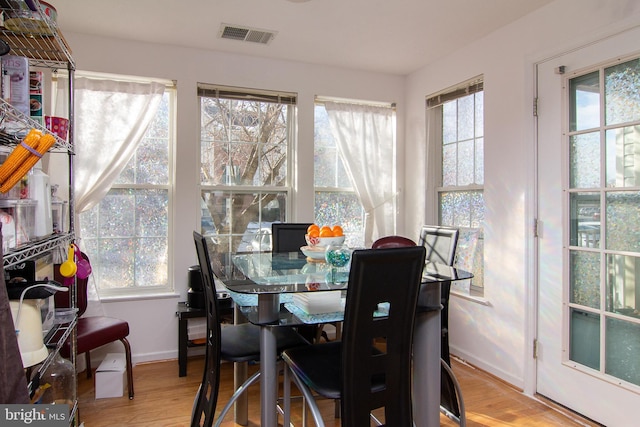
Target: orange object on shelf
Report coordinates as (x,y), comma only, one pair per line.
(19,154)
(24,157)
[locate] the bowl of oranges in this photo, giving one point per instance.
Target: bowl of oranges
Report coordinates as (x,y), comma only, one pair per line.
(323,236)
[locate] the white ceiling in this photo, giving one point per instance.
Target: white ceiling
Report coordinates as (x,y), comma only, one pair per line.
(391,36)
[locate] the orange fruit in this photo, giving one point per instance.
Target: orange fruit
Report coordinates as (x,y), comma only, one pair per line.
(337,231)
(314,232)
(325,228)
(326,232)
(313,227)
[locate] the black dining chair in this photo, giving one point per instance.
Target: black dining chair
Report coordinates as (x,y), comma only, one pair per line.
(289,237)
(441,243)
(371,367)
(234,343)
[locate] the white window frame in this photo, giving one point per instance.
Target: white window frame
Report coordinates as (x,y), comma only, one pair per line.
(262,240)
(474,288)
(168,287)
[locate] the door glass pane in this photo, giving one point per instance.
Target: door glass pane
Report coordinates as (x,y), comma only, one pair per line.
(584,341)
(622,99)
(584,209)
(585,278)
(623,221)
(623,287)
(584,160)
(622,349)
(584,94)
(623,157)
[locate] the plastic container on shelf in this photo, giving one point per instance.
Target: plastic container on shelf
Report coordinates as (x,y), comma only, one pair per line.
(40,191)
(60,216)
(23,212)
(57,383)
(8,231)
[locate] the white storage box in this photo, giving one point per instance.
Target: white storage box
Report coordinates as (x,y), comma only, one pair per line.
(319,302)
(110,376)
(196,329)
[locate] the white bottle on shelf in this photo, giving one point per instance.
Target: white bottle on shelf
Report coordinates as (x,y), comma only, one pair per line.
(40,190)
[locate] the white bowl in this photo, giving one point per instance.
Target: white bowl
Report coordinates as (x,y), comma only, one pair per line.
(323,241)
(313,252)
(311,241)
(336,241)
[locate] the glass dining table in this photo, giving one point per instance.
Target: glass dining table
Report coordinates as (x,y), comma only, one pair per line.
(262,285)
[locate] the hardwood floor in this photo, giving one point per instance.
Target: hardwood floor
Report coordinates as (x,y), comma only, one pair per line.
(162,399)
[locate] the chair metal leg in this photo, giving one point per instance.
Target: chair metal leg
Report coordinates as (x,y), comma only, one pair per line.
(462,418)
(127,352)
(308,397)
(239,392)
(286,385)
(87,360)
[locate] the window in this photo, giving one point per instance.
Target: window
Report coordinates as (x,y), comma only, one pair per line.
(456,126)
(245,141)
(333,187)
(128,230)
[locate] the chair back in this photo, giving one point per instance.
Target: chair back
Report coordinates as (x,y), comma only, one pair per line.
(440,243)
(288,237)
(392,242)
(382,276)
(207,397)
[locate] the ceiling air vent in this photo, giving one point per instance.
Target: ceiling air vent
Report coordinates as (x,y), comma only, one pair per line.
(235,32)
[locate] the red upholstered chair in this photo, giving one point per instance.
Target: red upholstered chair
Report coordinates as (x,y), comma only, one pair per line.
(94,331)
(392,242)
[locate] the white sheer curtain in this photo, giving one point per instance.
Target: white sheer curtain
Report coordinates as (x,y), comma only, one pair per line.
(365,138)
(111,117)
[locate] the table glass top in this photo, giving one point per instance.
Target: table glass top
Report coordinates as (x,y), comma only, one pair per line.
(250,275)
(266,272)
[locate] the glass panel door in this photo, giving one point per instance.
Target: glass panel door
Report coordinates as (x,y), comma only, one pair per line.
(588,210)
(604,220)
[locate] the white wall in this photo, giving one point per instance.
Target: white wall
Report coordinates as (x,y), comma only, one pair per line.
(498,337)
(152,321)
